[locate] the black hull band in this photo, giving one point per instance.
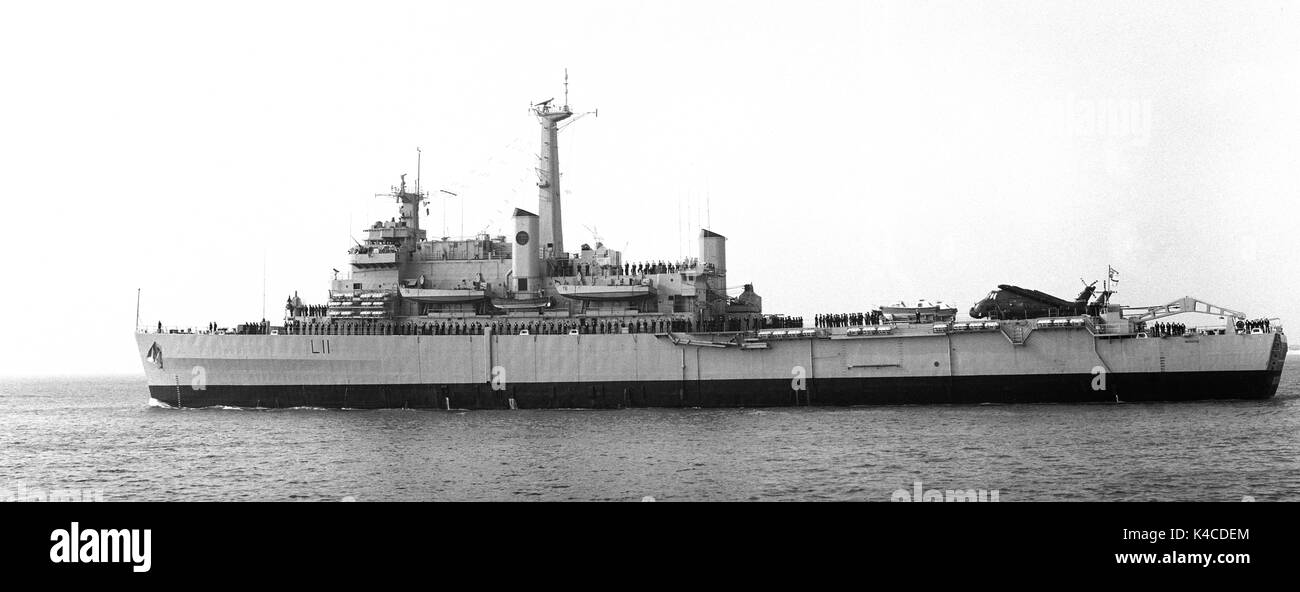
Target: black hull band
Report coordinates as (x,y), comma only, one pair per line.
(1042,388)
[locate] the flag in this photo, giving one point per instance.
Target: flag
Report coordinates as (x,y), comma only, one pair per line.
(1112,274)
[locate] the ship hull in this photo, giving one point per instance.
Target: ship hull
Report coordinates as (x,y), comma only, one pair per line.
(1048,388)
(634,371)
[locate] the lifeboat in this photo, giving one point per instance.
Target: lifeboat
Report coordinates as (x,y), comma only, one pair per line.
(633,292)
(443,296)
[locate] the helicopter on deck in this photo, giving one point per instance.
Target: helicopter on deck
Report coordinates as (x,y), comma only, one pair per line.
(1014,302)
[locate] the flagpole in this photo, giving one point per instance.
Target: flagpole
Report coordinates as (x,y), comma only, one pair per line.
(1105,288)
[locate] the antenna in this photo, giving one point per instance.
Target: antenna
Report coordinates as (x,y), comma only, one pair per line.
(679,226)
(137,309)
(698,221)
(597,112)
(444,213)
(418,156)
(578,116)
(692,232)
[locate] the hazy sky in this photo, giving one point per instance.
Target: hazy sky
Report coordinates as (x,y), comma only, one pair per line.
(855,154)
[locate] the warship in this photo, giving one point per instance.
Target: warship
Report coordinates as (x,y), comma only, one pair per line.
(522,322)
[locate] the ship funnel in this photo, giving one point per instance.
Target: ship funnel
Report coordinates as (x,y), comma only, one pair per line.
(526,253)
(713,260)
(713,251)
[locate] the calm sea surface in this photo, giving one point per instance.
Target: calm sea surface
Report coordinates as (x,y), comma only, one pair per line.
(102,434)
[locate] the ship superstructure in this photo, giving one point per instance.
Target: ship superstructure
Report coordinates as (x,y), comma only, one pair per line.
(401,282)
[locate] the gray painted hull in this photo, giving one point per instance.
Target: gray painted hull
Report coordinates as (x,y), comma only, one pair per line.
(646,370)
